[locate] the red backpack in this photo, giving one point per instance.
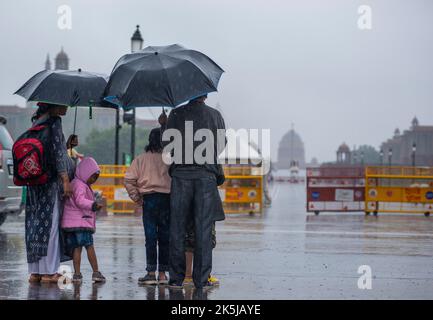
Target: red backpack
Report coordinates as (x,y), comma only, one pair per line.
(31,155)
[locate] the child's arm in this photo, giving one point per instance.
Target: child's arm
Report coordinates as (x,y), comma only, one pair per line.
(131,177)
(81,201)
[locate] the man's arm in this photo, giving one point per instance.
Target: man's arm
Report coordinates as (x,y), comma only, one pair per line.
(166,123)
(221,126)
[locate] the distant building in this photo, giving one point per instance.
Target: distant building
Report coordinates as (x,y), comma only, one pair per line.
(399,148)
(291,148)
(344,155)
(61,61)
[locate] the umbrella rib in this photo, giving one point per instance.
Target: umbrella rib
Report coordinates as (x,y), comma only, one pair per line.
(200,69)
(37,87)
(169,81)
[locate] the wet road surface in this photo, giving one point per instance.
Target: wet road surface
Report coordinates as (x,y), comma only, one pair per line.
(282,254)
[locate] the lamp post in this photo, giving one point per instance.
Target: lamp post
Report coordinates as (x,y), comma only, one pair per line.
(390,157)
(136,45)
(413,154)
(381,156)
(362,158)
(116,137)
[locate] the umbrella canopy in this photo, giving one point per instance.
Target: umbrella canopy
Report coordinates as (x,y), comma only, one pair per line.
(65,87)
(161,76)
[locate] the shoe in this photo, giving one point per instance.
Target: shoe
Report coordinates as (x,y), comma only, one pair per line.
(188,281)
(214,280)
(148,280)
(77,278)
(35,278)
(162,281)
(98,277)
(173,285)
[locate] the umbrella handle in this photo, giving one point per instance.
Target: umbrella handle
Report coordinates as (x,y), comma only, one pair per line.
(90,109)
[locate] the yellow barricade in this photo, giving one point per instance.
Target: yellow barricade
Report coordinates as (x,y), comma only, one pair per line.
(399,189)
(110,183)
(242,191)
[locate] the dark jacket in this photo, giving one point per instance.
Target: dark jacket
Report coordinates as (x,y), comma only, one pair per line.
(202,117)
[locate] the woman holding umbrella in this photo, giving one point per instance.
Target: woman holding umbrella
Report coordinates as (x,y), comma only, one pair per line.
(58,89)
(44,202)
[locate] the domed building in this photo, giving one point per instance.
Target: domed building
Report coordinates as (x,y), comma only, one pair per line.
(61,61)
(344,155)
(291,149)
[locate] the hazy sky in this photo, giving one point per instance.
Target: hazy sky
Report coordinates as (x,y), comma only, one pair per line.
(301,61)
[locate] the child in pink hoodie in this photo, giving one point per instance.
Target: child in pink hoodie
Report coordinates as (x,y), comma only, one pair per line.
(79,216)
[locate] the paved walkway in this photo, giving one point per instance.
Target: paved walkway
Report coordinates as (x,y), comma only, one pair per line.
(283,254)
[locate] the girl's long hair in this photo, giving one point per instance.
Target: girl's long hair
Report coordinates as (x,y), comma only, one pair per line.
(154,145)
(42,109)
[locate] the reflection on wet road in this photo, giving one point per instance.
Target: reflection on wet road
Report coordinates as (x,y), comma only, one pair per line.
(283,254)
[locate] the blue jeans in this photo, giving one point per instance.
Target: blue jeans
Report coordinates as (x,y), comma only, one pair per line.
(156,221)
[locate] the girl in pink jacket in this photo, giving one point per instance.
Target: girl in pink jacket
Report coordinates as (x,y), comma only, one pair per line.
(79,216)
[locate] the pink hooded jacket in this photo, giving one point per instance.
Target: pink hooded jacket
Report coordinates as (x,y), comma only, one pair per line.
(77,213)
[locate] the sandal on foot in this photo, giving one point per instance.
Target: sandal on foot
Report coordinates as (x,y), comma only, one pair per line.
(162,281)
(35,278)
(98,277)
(77,278)
(54,278)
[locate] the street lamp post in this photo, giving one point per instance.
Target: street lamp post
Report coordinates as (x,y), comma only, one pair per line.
(413,154)
(381,157)
(390,156)
(116,138)
(136,45)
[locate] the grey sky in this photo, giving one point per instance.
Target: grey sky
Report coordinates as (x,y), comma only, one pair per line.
(286,61)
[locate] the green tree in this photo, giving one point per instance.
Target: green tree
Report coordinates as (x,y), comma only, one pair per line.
(100,144)
(368,153)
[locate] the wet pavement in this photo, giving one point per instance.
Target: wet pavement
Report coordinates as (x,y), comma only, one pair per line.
(283,254)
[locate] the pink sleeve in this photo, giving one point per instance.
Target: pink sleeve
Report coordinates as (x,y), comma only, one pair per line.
(81,201)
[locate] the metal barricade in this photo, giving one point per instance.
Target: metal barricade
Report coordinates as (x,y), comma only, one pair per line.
(242,191)
(335,189)
(110,184)
(399,189)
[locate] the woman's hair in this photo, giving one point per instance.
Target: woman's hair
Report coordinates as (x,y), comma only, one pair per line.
(42,109)
(154,145)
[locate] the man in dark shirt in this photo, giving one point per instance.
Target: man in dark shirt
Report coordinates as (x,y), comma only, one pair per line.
(195,176)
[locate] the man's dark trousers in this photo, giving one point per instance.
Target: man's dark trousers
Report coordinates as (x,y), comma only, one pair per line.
(192,199)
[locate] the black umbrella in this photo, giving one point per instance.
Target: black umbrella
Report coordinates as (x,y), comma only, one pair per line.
(71,88)
(163,76)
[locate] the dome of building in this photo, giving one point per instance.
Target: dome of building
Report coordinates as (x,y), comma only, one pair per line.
(343,148)
(62,61)
(291,148)
(344,154)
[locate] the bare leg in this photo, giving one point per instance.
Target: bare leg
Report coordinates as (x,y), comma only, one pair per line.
(189,257)
(91,255)
(76,257)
